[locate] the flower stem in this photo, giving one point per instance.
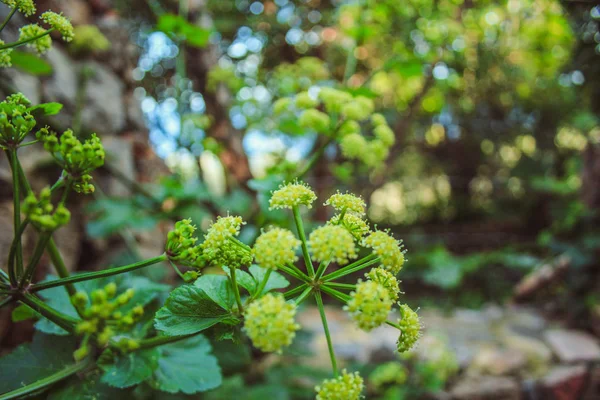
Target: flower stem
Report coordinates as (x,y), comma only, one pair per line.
(313,159)
(322,267)
(15,271)
(349,286)
(64,321)
(262,284)
(295,291)
(326,329)
(355,266)
(10,15)
(303,296)
(35,259)
(390,323)
(236,291)
(38,385)
(160,340)
(300,227)
(25,41)
(59,265)
(337,294)
(295,273)
(97,274)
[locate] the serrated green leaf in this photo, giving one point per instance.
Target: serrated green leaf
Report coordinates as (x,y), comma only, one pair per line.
(130,369)
(30,63)
(276,280)
(39,359)
(89,389)
(47,108)
(187,366)
(189,310)
(243,279)
(218,288)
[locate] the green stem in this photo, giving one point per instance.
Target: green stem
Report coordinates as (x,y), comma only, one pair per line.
(390,323)
(160,340)
(298,271)
(176,269)
(59,265)
(262,284)
(322,267)
(64,321)
(17,270)
(10,15)
(300,227)
(337,294)
(97,274)
(326,329)
(25,41)
(23,178)
(6,301)
(13,251)
(350,64)
(236,291)
(304,295)
(293,273)
(351,268)
(313,159)
(47,381)
(28,143)
(35,259)
(348,286)
(295,291)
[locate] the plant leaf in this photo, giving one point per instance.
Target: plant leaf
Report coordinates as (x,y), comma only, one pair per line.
(276,280)
(218,288)
(47,108)
(243,279)
(23,313)
(187,366)
(130,369)
(188,310)
(89,389)
(30,63)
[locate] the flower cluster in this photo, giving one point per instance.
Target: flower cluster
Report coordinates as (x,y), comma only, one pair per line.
(410,328)
(347,386)
(43,214)
(390,373)
(292,195)
(221,246)
(103,318)
(59,23)
(275,247)
(15,120)
(332,243)
(89,38)
(269,322)
(77,159)
(37,36)
(369,305)
(26,7)
(347,202)
(385,279)
(5,60)
(354,224)
(388,249)
(181,245)
(289,79)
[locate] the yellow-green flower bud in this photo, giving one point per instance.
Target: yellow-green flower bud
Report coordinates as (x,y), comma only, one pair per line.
(369,305)
(269,322)
(5,60)
(385,134)
(221,246)
(105,336)
(110,290)
(79,300)
(292,194)
(26,7)
(410,328)
(334,99)
(390,373)
(304,100)
(388,249)
(347,386)
(281,105)
(378,119)
(385,279)
(347,202)
(353,145)
(60,23)
(41,44)
(354,224)
(275,247)
(315,120)
(349,127)
(332,243)
(375,154)
(81,353)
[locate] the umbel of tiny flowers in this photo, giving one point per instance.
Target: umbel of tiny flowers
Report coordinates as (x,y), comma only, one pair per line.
(369,305)
(332,243)
(347,202)
(43,214)
(77,159)
(291,195)
(26,7)
(221,246)
(388,249)
(385,279)
(346,386)
(410,328)
(354,224)
(276,246)
(269,322)
(15,120)
(181,245)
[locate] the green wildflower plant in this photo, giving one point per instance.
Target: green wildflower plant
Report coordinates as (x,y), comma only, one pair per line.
(34,36)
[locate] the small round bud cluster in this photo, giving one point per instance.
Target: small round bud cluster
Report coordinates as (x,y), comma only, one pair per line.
(43,214)
(59,23)
(388,249)
(181,245)
(314,120)
(269,322)
(281,105)
(15,120)
(385,279)
(102,318)
(369,305)
(76,158)
(288,79)
(224,76)
(347,386)
(410,328)
(26,7)
(221,247)
(354,224)
(332,243)
(88,38)
(390,373)
(353,145)
(5,60)
(358,109)
(347,202)
(275,247)
(305,101)
(42,44)
(334,99)
(291,195)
